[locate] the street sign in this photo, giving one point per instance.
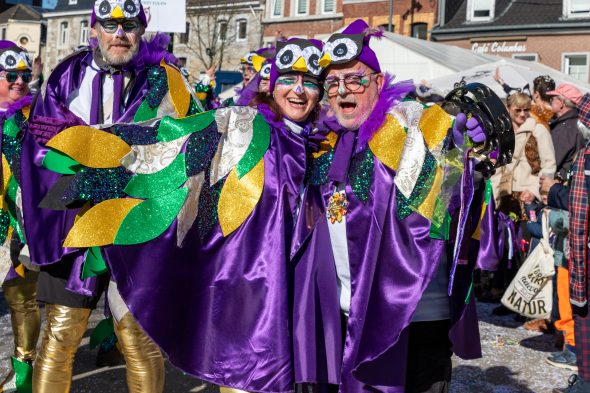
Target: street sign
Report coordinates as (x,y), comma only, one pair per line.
(167,16)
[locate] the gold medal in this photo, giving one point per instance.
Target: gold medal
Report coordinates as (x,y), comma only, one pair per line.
(337,206)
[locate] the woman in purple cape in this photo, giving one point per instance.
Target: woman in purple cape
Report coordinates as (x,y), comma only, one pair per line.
(198,244)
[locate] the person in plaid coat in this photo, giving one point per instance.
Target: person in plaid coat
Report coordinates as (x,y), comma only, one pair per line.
(574,197)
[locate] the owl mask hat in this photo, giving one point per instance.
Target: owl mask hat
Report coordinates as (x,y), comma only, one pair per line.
(13,57)
(351,44)
(262,61)
(297,55)
(118,9)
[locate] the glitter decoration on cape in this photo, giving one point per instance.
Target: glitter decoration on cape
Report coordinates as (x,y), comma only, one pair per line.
(200,149)
(405,206)
(207,216)
(317,172)
(4,225)
(97,185)
(135,134)
(361,174)
(158,86)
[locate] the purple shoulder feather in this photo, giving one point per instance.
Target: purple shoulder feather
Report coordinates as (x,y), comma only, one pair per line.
(16,106)
(391,95)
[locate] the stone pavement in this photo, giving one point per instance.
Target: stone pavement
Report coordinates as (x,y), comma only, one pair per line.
(513,362)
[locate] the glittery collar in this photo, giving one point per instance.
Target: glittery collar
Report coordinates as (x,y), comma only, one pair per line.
(391,95)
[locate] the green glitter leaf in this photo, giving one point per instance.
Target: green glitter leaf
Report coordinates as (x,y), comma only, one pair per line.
(258,146)
(24,375)
(159,183)
(361,174)
(60,163)
(319,169)
(171,129)
(101,331)
(150,218)
(94,264)
(10,127)
(10,196)
(145,112)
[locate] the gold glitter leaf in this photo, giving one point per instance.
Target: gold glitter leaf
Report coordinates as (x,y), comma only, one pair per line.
(99,225)
(327,145)
(177,89)
(388,143)
(426,209)
(239,197)
(91,147)
(434,124)
(6,175)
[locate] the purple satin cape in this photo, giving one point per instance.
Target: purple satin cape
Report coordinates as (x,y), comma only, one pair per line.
(47,229)
(219,308)
(391,263)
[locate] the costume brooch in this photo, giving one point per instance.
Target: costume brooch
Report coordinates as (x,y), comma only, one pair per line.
(337,206)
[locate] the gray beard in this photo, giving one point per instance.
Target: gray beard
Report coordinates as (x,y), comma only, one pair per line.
(117,60)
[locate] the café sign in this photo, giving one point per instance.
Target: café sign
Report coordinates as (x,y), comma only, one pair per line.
(498,47)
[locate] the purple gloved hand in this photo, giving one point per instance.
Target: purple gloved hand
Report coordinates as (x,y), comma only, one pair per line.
(473,127)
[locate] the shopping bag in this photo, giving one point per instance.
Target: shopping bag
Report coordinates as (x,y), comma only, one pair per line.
(531,291)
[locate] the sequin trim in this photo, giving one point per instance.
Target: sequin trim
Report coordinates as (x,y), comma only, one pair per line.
(360,174)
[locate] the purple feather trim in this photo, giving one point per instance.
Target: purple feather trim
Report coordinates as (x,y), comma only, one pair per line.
(390,96)
(16,106)
(248,93)
(376,32)
(271,118)
(153,51)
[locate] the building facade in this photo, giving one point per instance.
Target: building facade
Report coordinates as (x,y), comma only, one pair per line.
(553,32)
(218,32)
(22,24)
(414,18)
(68,27)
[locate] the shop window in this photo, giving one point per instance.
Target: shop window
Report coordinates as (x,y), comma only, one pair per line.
(480,10)
(527,56)
(329,6)
(576,65)
(277,8)
(64,34)
(420,30)
(84,30)
(183,37)
(577,8)
(241,30)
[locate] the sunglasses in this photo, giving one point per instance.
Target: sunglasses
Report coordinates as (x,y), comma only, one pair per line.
(12,76)
(129,26)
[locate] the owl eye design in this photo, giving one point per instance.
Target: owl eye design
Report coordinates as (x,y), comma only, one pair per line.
(265,71)
(103,9)
(130,8)
(288,56)
(9,59)
(342,49)
(312,55)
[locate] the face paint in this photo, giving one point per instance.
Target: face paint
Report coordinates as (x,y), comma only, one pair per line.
(120,32)
(298,88)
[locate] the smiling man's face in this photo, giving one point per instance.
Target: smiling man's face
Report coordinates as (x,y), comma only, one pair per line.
(352,108)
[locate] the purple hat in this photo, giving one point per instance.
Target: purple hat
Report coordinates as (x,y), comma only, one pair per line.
(117,9)
(352,44)
(13,57)
(297,55)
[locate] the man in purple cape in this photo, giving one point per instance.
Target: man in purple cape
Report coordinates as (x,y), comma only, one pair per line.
(371,234)
(119,78)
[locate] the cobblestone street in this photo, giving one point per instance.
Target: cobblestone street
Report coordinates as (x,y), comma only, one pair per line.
(513,362)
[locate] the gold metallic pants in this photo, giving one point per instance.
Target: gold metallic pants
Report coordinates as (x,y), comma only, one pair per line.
(230,390)
(145,364)
(64,328)
(21,296)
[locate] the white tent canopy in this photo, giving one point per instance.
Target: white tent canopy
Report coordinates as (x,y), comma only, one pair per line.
(444,65)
